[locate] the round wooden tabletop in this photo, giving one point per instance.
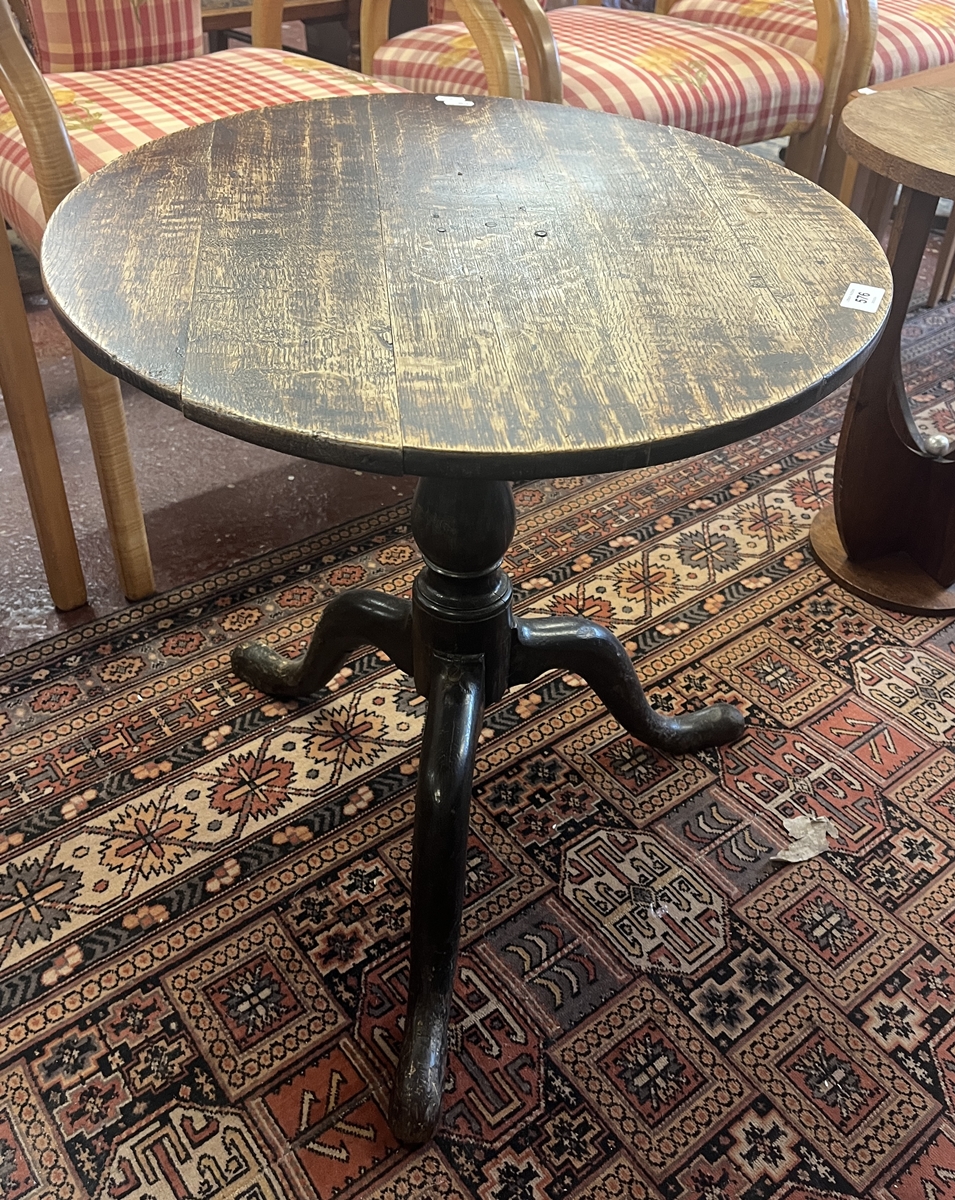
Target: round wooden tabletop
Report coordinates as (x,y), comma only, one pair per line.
(498,289)
(907,136)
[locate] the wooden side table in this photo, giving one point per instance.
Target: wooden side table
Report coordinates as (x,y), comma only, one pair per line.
(890,536)
(854,181)
(470,292)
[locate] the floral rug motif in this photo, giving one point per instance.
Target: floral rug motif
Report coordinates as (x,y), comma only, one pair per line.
(204,892)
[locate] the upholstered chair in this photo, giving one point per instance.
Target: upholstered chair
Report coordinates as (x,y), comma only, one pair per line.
(712,80)
(888,39)
(107,76)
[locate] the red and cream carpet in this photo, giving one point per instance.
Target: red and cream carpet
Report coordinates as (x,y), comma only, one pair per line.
(204,891)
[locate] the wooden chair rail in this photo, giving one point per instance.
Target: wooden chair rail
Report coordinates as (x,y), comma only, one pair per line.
(486,26)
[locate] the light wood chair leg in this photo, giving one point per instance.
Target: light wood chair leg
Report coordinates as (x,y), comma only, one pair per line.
(834,163)
(804,154)
(945,269)
(870,196)
(33,439)
(850,175)
(106,421)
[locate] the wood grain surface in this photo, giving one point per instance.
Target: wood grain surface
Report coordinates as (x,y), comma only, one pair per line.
(505,290)
(907,136)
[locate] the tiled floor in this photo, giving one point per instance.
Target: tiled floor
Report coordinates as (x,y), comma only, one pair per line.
(209,500)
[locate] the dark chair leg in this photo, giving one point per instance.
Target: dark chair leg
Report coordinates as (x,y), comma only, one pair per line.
(594,653)
(351,620)
(455,712)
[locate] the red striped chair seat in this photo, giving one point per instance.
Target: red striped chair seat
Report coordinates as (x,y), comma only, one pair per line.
(715,81)
(111,112)
(913,35)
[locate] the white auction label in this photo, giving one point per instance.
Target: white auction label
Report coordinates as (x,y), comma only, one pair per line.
(455,101)
(860,295)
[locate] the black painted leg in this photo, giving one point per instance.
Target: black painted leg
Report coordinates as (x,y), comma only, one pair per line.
(596,655)
(460,641)
(351,620)
(455,711)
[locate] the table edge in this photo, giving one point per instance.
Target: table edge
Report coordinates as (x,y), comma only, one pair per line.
(403,460)
(906,172)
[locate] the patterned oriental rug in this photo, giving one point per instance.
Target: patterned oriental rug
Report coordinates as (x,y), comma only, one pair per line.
(204,891)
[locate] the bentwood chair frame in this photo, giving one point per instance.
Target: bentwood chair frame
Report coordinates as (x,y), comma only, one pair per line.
(495,44)
(33,438)
(834,54)
(863,30)
(542,56)
(57,173)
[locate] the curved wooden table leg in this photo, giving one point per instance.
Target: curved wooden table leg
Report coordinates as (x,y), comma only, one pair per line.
(593,652)
(944,277)
(351,620)
(467,650)
(891,537)
(442,811)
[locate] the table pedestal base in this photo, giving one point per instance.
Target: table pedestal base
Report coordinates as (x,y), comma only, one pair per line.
(459,638)
(891,581)
(891,536)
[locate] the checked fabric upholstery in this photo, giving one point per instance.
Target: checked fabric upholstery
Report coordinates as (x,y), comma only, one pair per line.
(913,35)
(718,82)
(715,82)
(108,113)
(125,72)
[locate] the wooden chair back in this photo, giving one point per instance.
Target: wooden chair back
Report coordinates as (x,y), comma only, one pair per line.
(485,23)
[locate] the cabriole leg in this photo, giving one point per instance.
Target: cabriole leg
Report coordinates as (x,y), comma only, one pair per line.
(351,620)
(442,809)
(460,640)
(589,650)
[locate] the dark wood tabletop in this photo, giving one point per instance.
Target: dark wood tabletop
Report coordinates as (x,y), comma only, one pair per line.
(503,290)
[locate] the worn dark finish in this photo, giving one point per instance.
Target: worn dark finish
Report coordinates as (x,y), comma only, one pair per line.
(893,496)
(462,599)
(468,649)
(473,294)
(351,620)
(508,290)
(439,861)
(589,650)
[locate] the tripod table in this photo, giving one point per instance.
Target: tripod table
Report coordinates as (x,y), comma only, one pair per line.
(472,291)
